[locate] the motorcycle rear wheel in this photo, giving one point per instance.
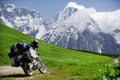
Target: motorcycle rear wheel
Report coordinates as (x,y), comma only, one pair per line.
(27,71)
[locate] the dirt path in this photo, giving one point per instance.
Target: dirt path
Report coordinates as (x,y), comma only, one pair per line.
(7,72)
(16,73)
(6,69)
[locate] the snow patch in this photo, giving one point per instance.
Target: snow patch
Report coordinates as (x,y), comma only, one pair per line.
(41,33)
(117,37)
(6,21)
(10,9)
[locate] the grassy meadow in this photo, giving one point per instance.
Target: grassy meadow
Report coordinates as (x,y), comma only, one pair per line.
(62,64)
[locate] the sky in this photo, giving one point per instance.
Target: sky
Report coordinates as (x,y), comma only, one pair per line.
(50,8)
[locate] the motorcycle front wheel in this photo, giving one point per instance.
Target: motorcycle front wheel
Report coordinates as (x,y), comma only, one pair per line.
(41,66)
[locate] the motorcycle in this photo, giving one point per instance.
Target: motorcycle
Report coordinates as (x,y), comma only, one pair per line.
(31,61)
(28,61)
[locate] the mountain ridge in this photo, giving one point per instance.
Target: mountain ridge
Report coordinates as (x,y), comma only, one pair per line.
(71,28)
(23,19)
(75,30)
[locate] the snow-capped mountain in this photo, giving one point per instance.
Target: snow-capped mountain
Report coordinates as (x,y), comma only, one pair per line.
(25,20)
(73,28)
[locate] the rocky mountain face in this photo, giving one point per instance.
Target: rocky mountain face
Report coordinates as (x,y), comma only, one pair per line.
(25,20)
(74,29)
(71,28)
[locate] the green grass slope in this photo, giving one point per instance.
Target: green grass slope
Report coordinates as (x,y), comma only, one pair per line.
(61,63)
(8,37)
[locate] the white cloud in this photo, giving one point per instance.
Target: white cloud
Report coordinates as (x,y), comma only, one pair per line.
(73,4)
(107,21)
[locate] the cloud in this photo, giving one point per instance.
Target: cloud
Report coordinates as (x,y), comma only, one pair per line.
(107,21)
(75,5)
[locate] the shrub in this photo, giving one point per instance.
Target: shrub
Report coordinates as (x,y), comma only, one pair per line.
(112,71)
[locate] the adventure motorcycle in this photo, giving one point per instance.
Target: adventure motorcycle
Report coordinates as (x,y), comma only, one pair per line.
(29,61)
(37,63)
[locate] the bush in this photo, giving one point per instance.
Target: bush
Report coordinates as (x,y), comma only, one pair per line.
(112,71)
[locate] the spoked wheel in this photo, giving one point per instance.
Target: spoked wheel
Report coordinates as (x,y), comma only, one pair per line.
(41,66)
(26,70)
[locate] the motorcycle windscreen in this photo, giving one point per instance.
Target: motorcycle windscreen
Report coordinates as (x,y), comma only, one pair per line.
(31,53)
